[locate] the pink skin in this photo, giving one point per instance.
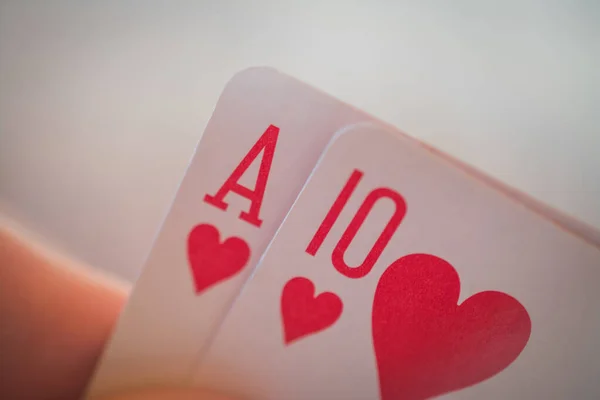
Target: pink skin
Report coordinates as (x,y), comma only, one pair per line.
(54,321)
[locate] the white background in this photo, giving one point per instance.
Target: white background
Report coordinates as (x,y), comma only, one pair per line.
(102,102)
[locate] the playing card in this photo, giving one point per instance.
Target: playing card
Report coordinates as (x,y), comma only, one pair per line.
(397,275)
(262,142)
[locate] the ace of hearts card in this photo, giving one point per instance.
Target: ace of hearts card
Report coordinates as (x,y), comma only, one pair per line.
(397,275)
(266,134)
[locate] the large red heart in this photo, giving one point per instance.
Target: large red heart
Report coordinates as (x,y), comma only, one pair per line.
(426,344)
(212,261)
(302,313)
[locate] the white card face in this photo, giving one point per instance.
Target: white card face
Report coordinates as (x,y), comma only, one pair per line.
(262,142)
(397,275)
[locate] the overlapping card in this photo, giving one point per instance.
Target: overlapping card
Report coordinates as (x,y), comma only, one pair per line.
(312,252)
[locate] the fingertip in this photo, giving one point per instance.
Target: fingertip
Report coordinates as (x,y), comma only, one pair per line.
(167,394)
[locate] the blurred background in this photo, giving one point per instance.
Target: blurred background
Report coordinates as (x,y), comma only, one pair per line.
(103,102)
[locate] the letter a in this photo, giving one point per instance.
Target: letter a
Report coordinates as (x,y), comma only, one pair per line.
(266,142)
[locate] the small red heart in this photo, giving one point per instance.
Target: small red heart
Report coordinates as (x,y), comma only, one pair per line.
(427,345)
(212,261)
(303,313)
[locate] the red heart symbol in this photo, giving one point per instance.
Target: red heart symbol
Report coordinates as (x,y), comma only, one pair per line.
(212,261)
(426,344)
(303,313)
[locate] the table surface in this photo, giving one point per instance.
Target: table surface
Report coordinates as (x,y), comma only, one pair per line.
(102,103)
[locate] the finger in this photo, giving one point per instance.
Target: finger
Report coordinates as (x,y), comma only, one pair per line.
(54,321)
(167,394)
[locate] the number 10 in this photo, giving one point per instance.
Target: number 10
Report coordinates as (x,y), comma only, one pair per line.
(337,256)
